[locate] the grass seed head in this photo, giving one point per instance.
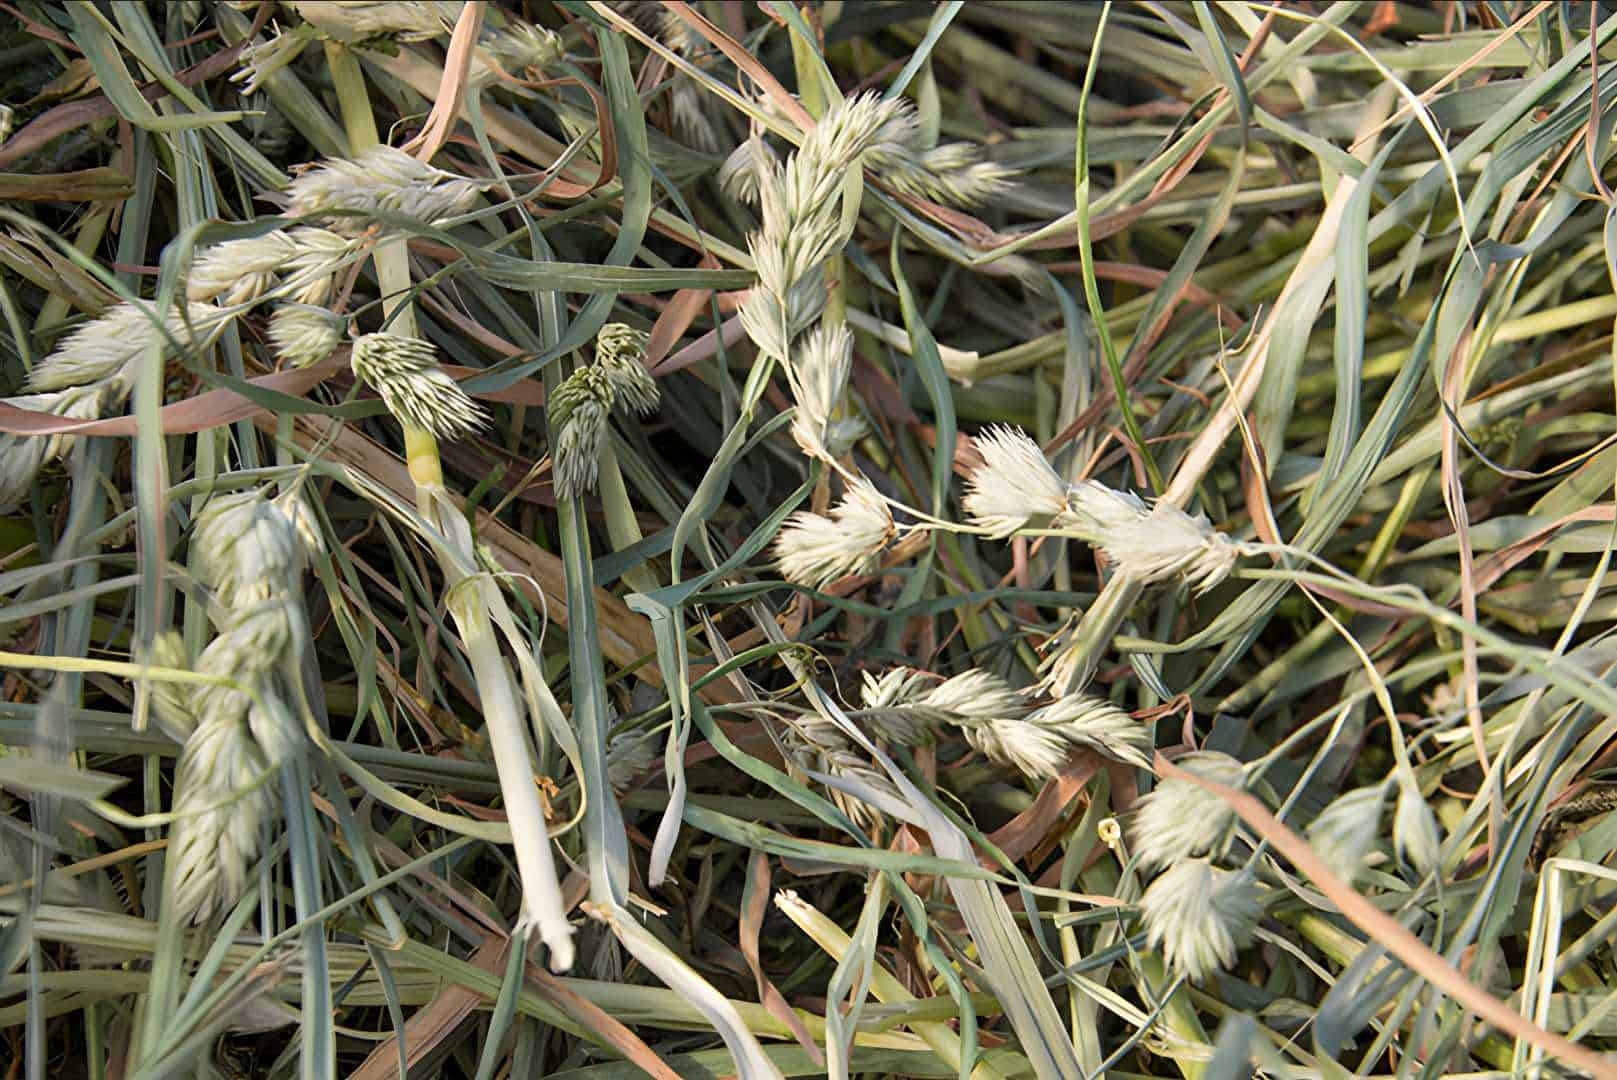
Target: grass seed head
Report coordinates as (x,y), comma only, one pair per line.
(1180,818)
(815,550)
(578,416)
(687,106)
(405,372)
(381,178)
(620,352)
(109,348)
(1015,486)
(798,200)
(303,334)
(1199,916)
(1096,724)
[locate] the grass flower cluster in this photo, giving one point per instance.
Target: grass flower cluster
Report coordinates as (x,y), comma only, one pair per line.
(405,372)
(242,729)
(1006,725)
(582,405)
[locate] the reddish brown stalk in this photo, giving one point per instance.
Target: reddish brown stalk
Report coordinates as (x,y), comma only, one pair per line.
(1380,927)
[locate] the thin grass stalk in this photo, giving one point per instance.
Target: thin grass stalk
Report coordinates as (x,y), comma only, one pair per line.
(836,943)
(1086,254)
(159,1006)
(318,1058)
(850,983)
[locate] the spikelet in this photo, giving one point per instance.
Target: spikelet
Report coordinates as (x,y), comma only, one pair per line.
(1095,510)
(1169,543)
(1061,658)
(995,720)
(1036,752)
(317,254)
(22,456)
(239,271)
(893,689)
(1344,834)
(620,352)
(1149,544)
(953,173)
(976,696)
(1095,723)
(1015,486)
(245,549)
(1199,917)
(262,59)
(405,372)
(814,744)
(299,512)
(686,100)
(253,647)
(356,20)
(222,806)
(172,702)
(523,47)
(819,373)
(380,178)
(978,701)
(815,550)
(892,706)
(303,334)
(1180,818)
(772,321)
(578,415)
(739,175)
(110,347)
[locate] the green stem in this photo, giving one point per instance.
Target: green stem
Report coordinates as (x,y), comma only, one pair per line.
(542,905)
(1086,254)
(621,526)
(1180,1017)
